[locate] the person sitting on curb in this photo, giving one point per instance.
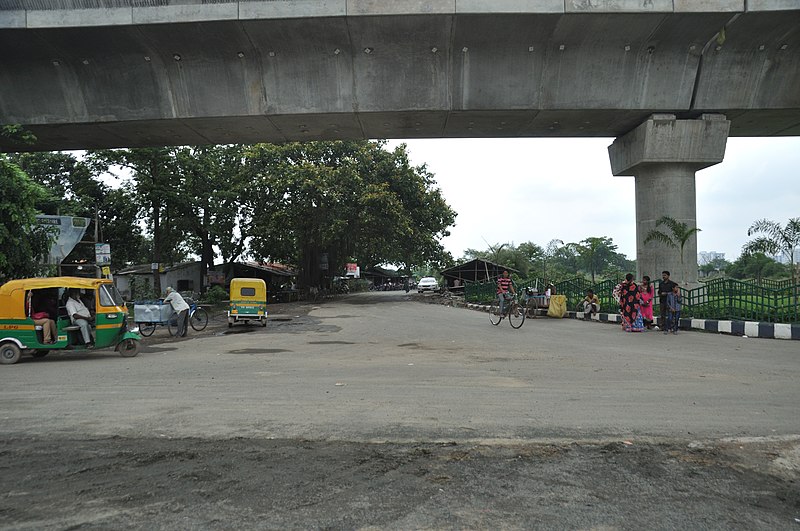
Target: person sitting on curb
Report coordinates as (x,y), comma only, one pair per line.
(591,304)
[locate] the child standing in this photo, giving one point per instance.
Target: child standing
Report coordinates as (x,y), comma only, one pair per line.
(674,304)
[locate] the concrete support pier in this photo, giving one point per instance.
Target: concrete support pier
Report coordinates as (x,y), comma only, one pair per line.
(663,155)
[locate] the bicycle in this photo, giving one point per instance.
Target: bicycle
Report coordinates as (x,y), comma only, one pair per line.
(198,317)
(512,308)
(532,302)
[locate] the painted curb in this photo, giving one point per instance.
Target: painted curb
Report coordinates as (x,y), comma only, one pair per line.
(735,328)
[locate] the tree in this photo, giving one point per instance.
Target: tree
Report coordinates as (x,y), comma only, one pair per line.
(714,267)
(211,213)
(325,203)
(24,245)
(505,254)
(775,239)
(156,191)
(596,254)
(76,190)
(549,256)
(755,265)
(680,233)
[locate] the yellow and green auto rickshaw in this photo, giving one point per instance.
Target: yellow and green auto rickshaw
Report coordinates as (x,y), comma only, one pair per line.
(25,303)
(248,301)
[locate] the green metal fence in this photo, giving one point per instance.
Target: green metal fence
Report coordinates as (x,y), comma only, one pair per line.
(728,299)
(746,301)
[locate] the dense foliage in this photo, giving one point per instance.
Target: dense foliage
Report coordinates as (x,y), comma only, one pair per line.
(323,204)
(24,245)
(592,256)
(294,203)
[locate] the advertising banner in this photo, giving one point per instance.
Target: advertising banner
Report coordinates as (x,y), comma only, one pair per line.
(70,232)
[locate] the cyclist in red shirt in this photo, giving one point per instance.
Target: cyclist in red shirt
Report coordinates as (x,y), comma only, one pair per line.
(505,289)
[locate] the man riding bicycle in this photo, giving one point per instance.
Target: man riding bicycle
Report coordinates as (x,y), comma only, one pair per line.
(505,289)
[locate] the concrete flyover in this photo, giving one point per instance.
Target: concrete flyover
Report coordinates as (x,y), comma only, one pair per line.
(105,73)
(670,79)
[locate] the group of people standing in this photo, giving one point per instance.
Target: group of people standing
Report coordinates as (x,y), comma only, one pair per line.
(636,303)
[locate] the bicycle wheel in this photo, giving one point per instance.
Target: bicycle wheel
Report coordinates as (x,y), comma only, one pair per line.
(172,325)
(147,329)
(516,315)
(199,319)
(494,313)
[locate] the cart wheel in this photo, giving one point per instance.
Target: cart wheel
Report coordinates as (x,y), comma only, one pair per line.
(147,329)
(40,353)
(9,353)
(263,323)
(128,348)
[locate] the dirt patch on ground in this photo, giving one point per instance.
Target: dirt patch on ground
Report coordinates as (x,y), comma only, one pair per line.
(294,484)
(280,315)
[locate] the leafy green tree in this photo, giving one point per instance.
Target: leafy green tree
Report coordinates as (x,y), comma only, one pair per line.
(24,245)
(213,189)
(550,258)
(756,265)
(505,254)
(774,239)
(714,267)
(157,192)
(76,190)
(596,254)
(345,200)
(679,234)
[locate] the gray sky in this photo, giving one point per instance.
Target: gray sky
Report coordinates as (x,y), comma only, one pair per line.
(553,187)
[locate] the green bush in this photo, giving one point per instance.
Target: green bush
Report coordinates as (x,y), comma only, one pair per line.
(215,295)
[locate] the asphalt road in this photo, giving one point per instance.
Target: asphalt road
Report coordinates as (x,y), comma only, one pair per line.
(378,411)
(381,367)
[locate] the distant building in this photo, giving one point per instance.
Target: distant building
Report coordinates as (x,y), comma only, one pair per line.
(784,257)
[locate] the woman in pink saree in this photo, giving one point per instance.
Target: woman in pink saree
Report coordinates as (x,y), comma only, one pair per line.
(646,294)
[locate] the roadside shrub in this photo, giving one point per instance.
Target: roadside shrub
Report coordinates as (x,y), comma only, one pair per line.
(215,295)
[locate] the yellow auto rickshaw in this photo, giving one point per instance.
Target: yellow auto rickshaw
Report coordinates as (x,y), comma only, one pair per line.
(248,301)
(31,308)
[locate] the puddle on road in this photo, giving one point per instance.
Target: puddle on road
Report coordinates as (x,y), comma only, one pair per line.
(235,331)
(148,348)
(258,351)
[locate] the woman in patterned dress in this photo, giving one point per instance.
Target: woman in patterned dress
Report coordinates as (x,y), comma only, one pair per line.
(630,299)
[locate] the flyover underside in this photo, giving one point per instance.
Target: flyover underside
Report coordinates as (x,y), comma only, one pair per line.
(404,76)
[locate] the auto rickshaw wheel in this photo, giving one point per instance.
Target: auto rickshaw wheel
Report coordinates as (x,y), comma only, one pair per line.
(9,353)
(128,348)
(40,353)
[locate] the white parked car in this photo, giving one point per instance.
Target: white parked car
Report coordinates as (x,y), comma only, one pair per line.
(427,284)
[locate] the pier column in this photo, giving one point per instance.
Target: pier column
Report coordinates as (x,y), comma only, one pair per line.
(663,154)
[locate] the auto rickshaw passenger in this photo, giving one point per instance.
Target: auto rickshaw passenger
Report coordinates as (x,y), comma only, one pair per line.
(41,317)
(80,315)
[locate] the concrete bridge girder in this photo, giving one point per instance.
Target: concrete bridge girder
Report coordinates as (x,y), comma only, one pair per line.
(569,72)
